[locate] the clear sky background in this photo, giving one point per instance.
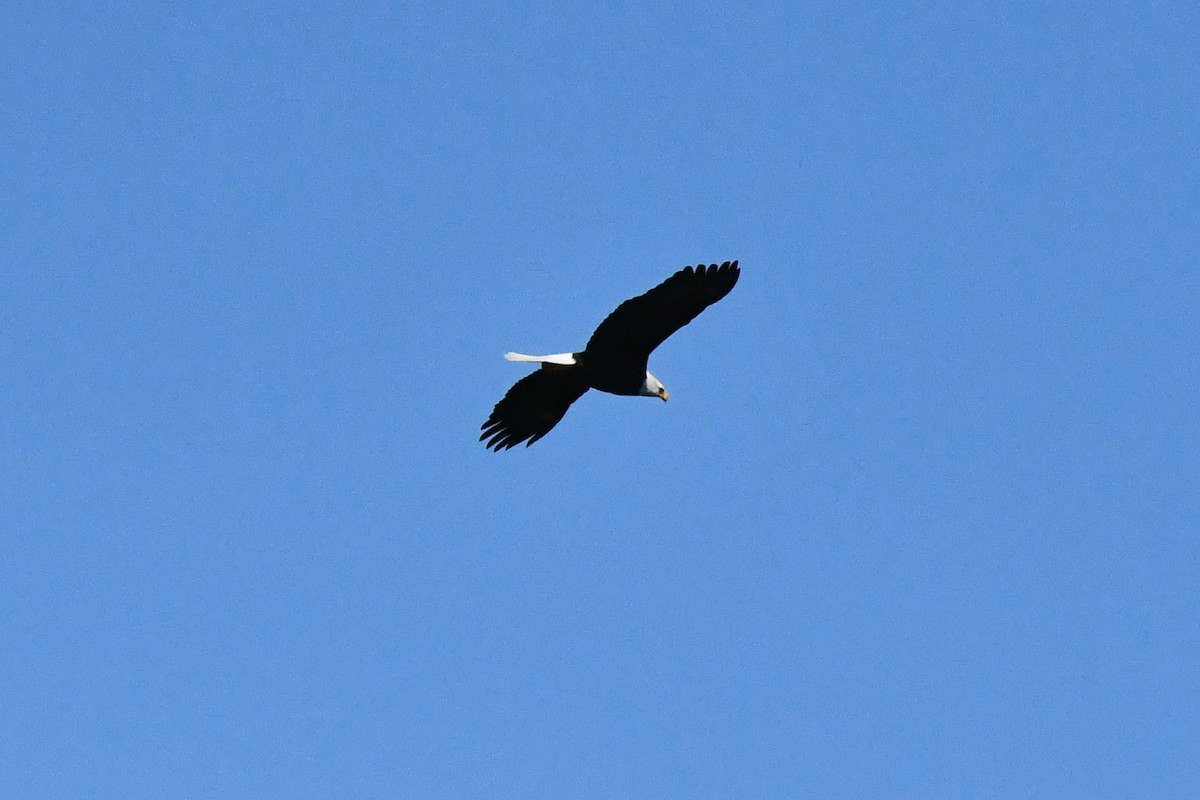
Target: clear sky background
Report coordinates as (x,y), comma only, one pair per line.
(920,520)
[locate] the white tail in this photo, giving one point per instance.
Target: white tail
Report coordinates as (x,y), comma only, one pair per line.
(565,359)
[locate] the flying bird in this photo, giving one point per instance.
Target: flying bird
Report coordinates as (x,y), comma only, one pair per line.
(613,361)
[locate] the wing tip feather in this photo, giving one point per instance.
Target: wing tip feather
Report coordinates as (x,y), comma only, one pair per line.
(725,274)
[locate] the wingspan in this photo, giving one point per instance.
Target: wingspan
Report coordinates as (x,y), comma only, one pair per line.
(533,406)
(642,323)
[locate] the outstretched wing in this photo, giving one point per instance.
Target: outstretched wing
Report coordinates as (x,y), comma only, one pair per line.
(641,324)
(533,406)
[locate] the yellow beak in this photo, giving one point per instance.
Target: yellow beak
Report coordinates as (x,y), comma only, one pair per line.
(665,396)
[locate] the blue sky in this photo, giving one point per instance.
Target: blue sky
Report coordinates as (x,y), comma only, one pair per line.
(920,519)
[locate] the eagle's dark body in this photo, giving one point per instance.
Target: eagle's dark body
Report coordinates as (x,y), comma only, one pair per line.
(605,374)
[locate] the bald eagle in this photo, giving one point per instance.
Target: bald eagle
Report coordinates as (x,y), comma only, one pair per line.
(614,360)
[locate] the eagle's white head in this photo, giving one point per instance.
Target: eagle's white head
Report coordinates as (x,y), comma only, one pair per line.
(652,387)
